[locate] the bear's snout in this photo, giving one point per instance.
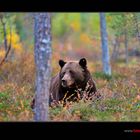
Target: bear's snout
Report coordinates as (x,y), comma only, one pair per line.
(67,80)
(64,83)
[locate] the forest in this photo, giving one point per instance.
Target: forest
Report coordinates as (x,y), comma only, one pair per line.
(31,45)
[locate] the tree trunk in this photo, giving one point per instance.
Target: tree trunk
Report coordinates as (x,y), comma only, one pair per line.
(126,47)
(5,37)
(105,49)
(43,52)
(137,27)
(5,34)
(116,46)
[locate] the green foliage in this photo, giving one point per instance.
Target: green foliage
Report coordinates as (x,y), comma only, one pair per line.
(9,20)
(121,23)
(59,24)
(102,75)
(4,101)
(67,23)
(3,96)
(120,104)
(24,27)
(90,23)
(56,110)
(19,26)
(116,22)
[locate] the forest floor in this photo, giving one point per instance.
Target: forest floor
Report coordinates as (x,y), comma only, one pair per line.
(120,100)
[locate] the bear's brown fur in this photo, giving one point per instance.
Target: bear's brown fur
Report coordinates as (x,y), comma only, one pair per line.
(72,82)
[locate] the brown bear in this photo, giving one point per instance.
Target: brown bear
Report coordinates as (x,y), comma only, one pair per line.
(72,82)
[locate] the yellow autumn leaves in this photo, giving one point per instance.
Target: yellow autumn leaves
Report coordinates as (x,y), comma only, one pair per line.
(16,45)
(15,41)
(85,38)
(75,25)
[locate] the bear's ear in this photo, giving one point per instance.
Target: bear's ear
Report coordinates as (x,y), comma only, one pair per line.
(83,62)
(61,63)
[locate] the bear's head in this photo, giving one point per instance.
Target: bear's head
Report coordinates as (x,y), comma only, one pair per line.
(72,72)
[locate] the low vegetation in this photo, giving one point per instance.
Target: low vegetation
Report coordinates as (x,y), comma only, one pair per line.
(119,101)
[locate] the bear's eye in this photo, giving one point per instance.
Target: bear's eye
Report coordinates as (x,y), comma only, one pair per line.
(71,72)
(63,74)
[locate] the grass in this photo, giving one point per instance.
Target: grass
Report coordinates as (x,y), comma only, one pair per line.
(102,75)
(120,95)
(110,109)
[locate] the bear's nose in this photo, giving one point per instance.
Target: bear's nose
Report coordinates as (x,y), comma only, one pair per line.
(64,82)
